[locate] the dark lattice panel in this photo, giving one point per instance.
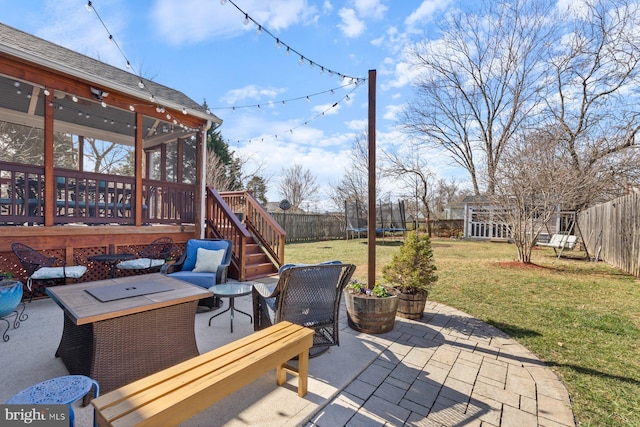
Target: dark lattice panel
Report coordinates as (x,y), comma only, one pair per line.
(95,270)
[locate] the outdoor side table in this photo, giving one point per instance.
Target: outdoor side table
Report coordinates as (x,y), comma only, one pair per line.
(231,290)
(111,260)
(61,390)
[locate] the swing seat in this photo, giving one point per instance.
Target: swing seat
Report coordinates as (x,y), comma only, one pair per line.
(560,241)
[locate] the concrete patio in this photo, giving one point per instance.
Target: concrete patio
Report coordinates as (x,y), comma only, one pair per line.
(448,369)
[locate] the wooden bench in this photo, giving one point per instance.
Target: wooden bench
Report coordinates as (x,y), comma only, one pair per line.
(175,394)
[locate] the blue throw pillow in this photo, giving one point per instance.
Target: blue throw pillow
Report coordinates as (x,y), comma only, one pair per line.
(192,250)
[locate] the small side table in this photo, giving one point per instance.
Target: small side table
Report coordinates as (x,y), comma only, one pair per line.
(111,260)
(231,290)
(61,390)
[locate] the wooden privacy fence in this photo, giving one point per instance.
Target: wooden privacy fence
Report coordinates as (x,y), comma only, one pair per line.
(611,232)
(303,227)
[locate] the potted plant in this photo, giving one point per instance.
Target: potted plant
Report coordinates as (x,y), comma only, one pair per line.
(370,310)
(412,272)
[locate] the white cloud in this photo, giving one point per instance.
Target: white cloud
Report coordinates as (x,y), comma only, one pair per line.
(69,24)
(425,12)
(250,92)
(192,21)
(327,109)
(392,111)
(370,9)
(351,26)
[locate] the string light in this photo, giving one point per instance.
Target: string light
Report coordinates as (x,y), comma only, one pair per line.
(261,29)
(284,101)
(317,116)
(90,7)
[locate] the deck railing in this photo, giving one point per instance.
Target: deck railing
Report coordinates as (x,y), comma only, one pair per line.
(238,216)
(260,224)
(222,223)
(90,198)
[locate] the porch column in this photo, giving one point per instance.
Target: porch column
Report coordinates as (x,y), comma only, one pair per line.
(138,170)
(201,182)
(49,179)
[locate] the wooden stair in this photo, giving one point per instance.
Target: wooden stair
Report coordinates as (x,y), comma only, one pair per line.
(257,264)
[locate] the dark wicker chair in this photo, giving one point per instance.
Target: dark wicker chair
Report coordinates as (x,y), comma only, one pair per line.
(43,269)
(307,295)
(152,257)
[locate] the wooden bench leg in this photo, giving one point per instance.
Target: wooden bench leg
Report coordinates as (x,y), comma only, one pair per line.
(302,372)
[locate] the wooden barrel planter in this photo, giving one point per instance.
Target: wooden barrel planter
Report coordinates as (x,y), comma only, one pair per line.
(411,306)
(371,315)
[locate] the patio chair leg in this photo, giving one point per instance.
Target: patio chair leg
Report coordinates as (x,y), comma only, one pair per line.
(5,335)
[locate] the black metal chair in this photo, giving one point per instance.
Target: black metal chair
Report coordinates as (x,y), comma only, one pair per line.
(308,295)
(152,257)
(42,268)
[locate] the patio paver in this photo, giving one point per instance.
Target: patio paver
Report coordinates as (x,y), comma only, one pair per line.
(443,370)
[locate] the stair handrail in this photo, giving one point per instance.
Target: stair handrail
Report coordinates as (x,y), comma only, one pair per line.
(222,223)
(262,225)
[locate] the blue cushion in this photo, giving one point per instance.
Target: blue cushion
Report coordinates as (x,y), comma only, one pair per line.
(286,266)
(204,280)
(192,250)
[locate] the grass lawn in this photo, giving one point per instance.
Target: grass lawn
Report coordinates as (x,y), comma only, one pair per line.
(581,318)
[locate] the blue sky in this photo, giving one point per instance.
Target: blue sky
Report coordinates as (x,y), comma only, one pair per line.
(204,49)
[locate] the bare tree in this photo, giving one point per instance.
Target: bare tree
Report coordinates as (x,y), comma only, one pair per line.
(533,182)
(445,192)
(479,83)
(593,103)
(297,185)
(354,184)
(412,171)
(217,176)
(105,157)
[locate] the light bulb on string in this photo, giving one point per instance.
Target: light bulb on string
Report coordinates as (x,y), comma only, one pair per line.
(288,51)
(259,30)
(246,19)
(110,39)
(141,84)
(301,61)
(277,43)
(128,65)
(89,6)
(74,98)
